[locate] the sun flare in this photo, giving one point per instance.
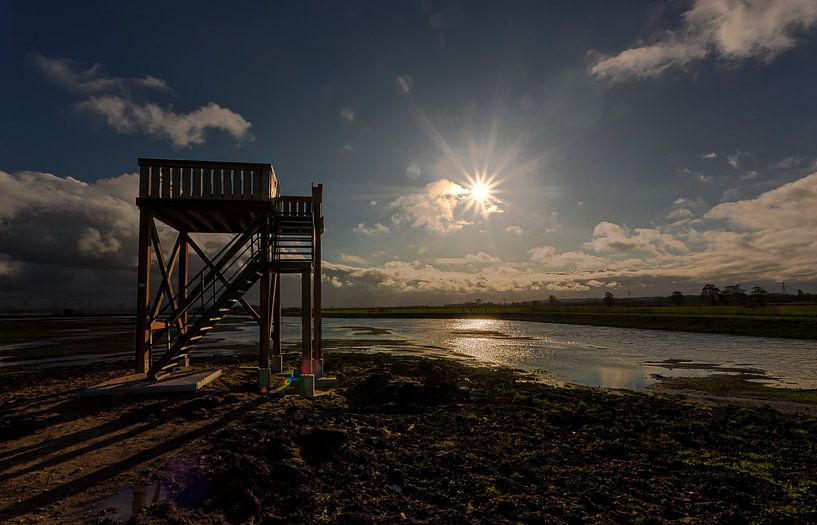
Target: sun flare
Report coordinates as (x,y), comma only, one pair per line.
(481,194)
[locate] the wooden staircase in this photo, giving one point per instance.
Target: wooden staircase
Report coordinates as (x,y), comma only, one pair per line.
(220,285)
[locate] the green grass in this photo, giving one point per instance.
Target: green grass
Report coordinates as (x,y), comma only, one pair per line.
(791,321)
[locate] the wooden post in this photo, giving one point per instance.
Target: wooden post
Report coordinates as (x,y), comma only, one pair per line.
(276,316)
(263,344)
(306,322)
(182,275)
(317,221)
(142,362)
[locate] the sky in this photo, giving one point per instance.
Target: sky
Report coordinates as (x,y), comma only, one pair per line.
(495,150)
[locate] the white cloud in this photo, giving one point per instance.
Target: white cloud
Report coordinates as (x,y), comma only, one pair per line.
(113,99)
(609,237)
(371,230)
(92,79)
(353,259)
(125,116)
(413,171)
(433,208)
(711,155)
(516,230)
(791,206)
(471,258)
(682,208)
(734,159)
(728,30)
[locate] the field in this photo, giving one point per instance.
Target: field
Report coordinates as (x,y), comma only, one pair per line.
(786,320)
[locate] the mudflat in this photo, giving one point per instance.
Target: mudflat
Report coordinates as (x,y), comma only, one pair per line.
(395,438)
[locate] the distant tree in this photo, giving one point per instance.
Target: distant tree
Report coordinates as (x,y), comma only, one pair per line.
(734,293)
(711,292)
(677,298)
(608,298)
(552,301)
(759,294)
(477,301)
(800,295)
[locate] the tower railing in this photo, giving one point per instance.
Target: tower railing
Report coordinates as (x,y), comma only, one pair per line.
(182,179)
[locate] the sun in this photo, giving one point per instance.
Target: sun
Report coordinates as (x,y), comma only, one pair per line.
(481,194)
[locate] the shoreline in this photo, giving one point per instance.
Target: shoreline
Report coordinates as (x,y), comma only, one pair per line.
(782,321)
(398,438)
(750,326)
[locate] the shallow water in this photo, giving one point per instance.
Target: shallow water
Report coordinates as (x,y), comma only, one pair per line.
(586,355)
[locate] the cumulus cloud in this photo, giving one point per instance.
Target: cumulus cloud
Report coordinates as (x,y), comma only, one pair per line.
(682,208)
(46,219)
(118,102)
(371,230)
(710,156)
(790,207)
(126,116)
(731,31)
(416,278)
(433,208)
(609,237)
(516,230)
(471,258)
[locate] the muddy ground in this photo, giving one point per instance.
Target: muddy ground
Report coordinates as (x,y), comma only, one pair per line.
(397,439)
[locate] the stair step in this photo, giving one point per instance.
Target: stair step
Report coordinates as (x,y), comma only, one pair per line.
(204,329)
(215,318)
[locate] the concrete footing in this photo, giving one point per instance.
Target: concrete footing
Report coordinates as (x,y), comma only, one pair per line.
(277,364)
(189,381)
(263,380)
(317,367)
(307,385)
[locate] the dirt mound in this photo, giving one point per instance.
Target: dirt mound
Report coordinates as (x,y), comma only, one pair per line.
(402,395)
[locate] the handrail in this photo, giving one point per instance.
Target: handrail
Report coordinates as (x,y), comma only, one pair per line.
(212,274)
(193,179)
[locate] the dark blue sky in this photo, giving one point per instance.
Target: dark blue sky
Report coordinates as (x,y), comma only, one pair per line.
(380,101)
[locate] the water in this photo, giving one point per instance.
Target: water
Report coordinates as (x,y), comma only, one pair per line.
(586,355)
(120,507)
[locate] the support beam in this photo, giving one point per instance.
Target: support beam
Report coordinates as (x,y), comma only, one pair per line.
(306,322)
(317,227)
(277,359)
(160,293)
(142,361)
(182,275)
(264,331)
(217,272)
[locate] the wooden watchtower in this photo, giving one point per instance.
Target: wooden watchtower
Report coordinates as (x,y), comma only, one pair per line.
(271,235)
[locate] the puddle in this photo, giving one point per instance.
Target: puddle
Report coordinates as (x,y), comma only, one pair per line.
(121,507)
